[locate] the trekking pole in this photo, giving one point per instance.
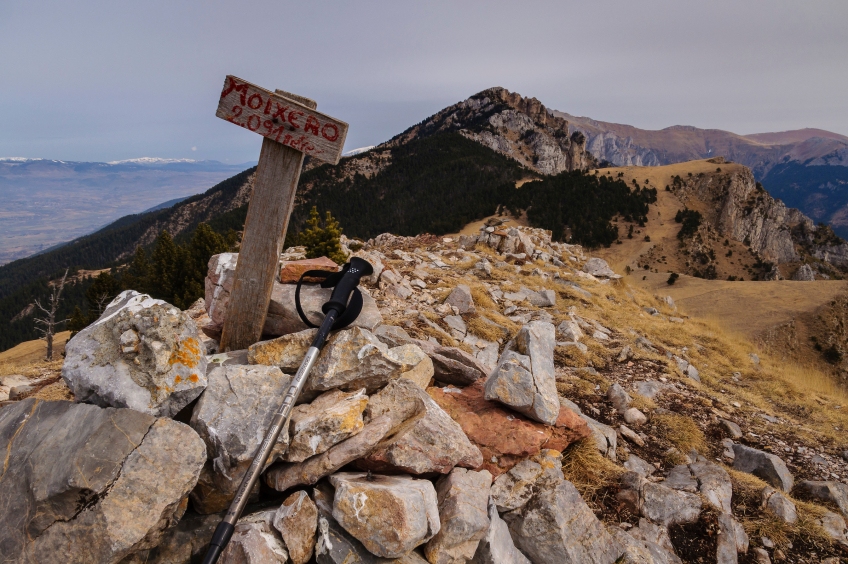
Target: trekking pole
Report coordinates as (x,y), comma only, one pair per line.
(338,313)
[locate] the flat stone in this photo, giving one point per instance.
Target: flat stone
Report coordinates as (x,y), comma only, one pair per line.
(331,418)
(456,323)
(768,467)
(414,363)
(286,352)
(504,437)
(232,417)
(835,528)
(598,267)
(514,489)
(733,430)
(131,470)
(525,378)
(605,437)
(353,359)
(283,476)
(681,479)
(292,270)
(463,497)
(297,521)
(389,515)
(141,353)
(496,547)
(431,443)
(452,365)
(834,492)
(631,435)
(726,541)
(393,335)
(556,526)
(658,502)
(640,551)
(641,467)
(542,298)
(460,298)
(780,505)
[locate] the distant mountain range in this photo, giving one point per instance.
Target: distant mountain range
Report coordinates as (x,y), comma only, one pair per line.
(47,202)
(806,168)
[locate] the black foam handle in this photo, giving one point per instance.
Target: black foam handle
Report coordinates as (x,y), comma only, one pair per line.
(352,273)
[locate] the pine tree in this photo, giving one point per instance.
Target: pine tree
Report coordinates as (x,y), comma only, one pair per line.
(164,266)
(102,291)
(137,275)
(322,241)
(77,322)
(204,243)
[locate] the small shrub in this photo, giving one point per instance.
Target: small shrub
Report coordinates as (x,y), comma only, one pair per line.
(672,278)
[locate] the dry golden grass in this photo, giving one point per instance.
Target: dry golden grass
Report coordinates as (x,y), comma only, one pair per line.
(34,351)
(589,471)
(681,431)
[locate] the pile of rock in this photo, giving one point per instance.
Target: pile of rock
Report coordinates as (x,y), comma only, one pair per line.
(413,441)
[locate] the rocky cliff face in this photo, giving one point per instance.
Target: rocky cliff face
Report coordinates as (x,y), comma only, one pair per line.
(506,122)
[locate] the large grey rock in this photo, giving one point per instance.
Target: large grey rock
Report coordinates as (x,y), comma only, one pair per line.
(710,480)
(569,330)
(182,544)
(542,298)
(657,502)
(768,467)
(255,541)
(90,484)
(232,417)
(727,544)
(640,466)
(460,298)
(297,522)
(598,267)
(353,359)
(287,351)
(432,442)
(390,515)
(780,505)
(513,489)
(282,317)
(834,492)
(656,537)
(835,528)
(331,418)
(524,378)
(496,547)
(556,526)
(463,513)
(452,365)
(141,353)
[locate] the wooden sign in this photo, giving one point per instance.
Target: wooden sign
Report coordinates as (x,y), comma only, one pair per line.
(282,119)
(292,129)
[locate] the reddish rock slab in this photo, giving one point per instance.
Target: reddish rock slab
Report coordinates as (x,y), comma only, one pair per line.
(505,437)
(292,270)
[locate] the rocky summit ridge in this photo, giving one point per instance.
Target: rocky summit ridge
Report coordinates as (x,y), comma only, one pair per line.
(503,398)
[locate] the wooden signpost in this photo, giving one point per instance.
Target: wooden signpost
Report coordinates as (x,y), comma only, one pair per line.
(292,129)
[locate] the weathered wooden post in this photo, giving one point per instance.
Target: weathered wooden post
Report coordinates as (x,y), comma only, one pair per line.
(292,129)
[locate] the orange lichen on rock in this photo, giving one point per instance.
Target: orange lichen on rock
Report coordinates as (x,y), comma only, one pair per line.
(187,353)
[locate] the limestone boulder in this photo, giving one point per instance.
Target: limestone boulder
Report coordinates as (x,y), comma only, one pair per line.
(88,483)
(141,353)
(780,505)
(414,363)
(181,544)
(232,417)
(353,359)
(297,522)
(452,365)
(463,497)
(657,502)
(286,352)
(504,437)
(768,467)
(220,275)
(433,442)
(460,298)
(514,489)
(496,546)
(569,331)
(283,476)
(389,515)
(637,550)
(599,268)
(331,418)
(556,526)
(524,378)
(704,477)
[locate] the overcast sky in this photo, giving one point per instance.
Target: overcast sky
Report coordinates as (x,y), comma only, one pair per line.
(116,79)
